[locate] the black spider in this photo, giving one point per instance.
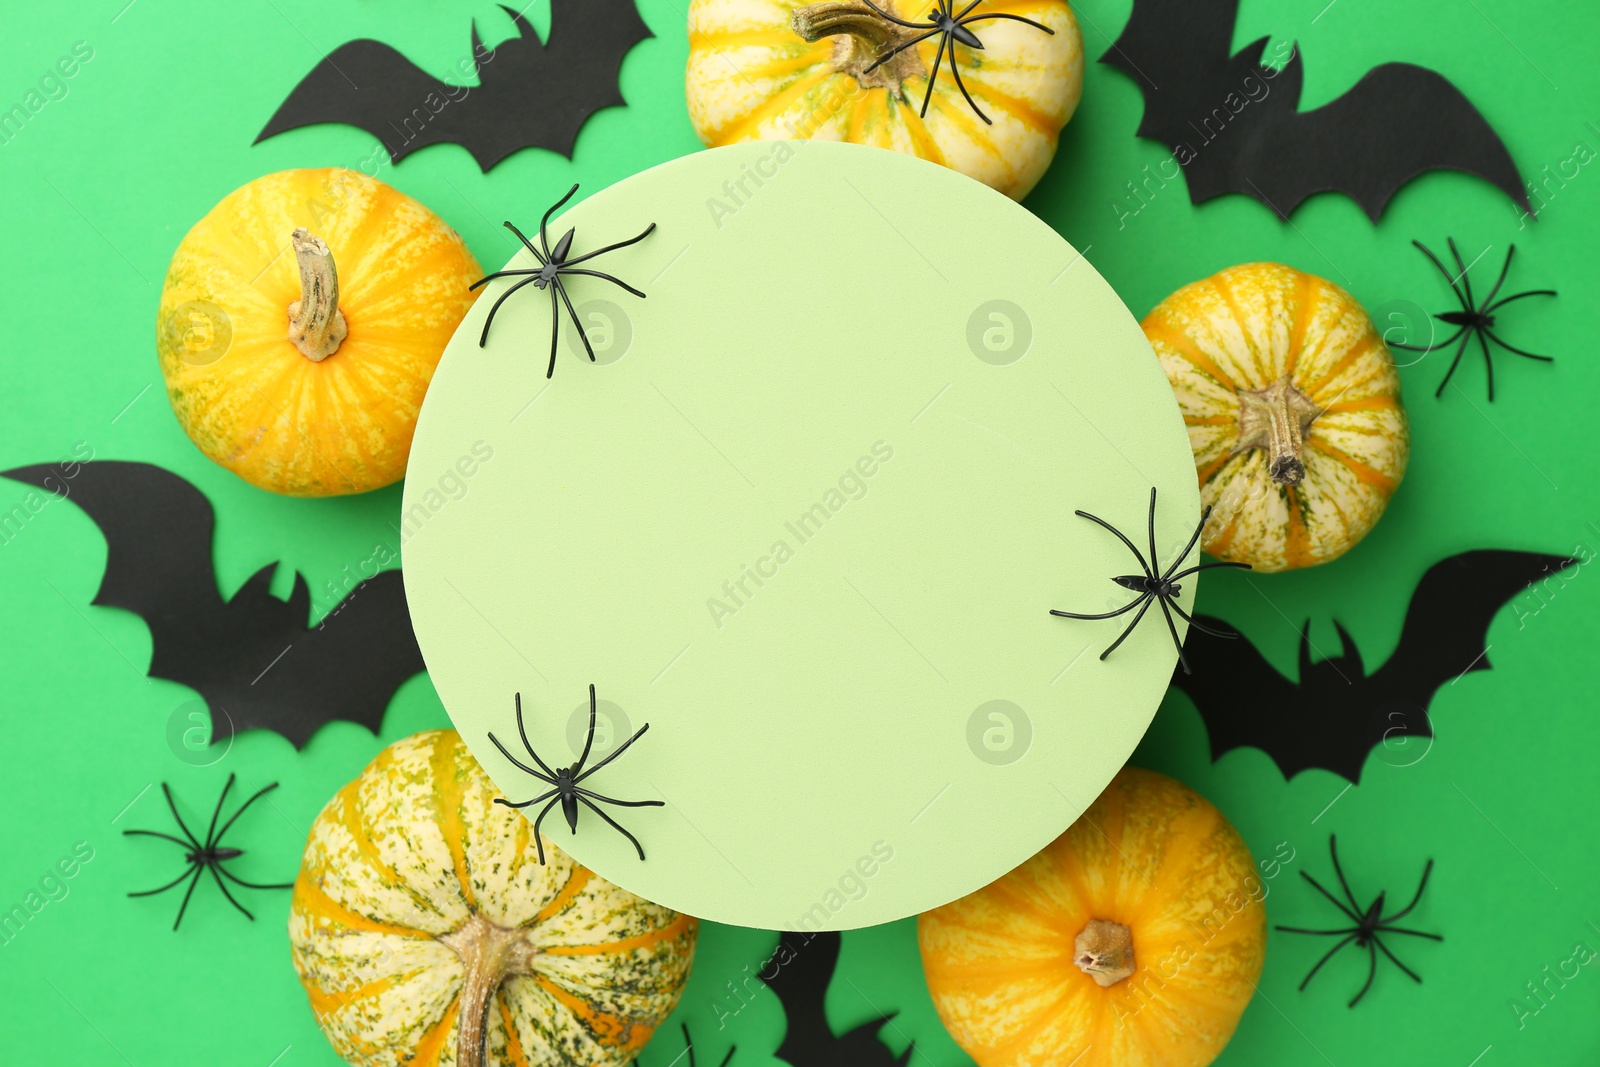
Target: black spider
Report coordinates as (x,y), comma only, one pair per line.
(209,856)
(567,792)
(1153,587)
(1368,925)
(1474,319)
(552,266)
(951,26)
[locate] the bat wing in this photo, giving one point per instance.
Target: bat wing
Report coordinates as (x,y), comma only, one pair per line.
(1177,52)
(346,667)
(1446,631)
(158,546)
(369,85)
(802,968)
(1244,701)
(1396,123)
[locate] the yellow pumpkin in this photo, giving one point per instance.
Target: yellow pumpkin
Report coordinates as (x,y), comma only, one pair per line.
(300,325)
(1293,408)
(1134,939)
(777,69)
(427,933)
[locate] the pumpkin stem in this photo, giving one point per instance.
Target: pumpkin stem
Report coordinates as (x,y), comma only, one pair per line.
(489,955)
(1103,950)
(864,36)
(316,325)
(1276,419)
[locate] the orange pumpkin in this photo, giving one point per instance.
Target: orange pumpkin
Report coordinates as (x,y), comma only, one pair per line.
(1293,408)
(300,325)
(1135,939)
(428,934)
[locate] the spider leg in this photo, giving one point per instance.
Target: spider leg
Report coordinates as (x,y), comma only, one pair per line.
(615,825)
(1205,567)
(1147,598)
(1338,869)
(198,871)
(588,742)
(933,77)
(483,338)
(955,70)
(1205,516)
(1120,537)
(607,277)
(555,329)
(256,796)
(1519,296)
(881,60)
(1448,277)
(1446,343)
(211,832)
(544,240)
(1013,18)
(1454,363)
(1202,627)
(522,733)
(1488,361)
(1414,933)
(1466,282)
(620,750)
(894,18)
(152,892)
(181,825)
(1352,916)
(1415,977)
(1331,952)
(537,839)
(1372,971)
(224,887)
(1421,885)
(1511,348)
(486,279)
(1155,560)
(577,323)
(529,245)
(527,803)
(592,795)
(648,230)
(249,885)
(165,837)
(518,763)
(1510,251)
(1106,615)
(966,10)
(1172,628)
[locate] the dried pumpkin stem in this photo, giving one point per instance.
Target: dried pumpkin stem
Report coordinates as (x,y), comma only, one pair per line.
(864,37)
(1103,950)
(489,955)
(1276,419)
(316,325)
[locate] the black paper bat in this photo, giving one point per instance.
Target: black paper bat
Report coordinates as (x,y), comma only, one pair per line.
(1337,713)
(1235,125)
(530,93)
(252,658)
(799,972)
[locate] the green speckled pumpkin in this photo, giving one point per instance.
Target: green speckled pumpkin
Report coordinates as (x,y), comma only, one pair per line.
(428,934)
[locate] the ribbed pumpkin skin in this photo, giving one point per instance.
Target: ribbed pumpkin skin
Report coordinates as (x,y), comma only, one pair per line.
(1150,854)
(264,410)
(406,853)
(752,77)
(1245,328)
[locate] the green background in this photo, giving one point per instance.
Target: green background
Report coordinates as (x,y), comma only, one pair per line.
(101,184)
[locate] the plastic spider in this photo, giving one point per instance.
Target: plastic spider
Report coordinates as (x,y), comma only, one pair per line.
(553,266)
(951,26)
(1368,925)
(209,856)
(1152,587)
(1474,319)
(567,792)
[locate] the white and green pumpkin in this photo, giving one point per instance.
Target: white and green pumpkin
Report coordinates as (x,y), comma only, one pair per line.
(428,934)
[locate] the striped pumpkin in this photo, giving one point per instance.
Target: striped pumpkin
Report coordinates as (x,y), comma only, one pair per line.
(427,933)
(1135,939)
(777,69)
(1293,408)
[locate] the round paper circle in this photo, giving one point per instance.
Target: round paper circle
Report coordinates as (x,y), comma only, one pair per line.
(805,516)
